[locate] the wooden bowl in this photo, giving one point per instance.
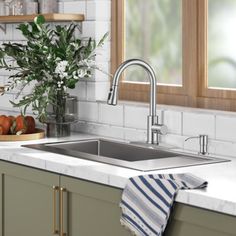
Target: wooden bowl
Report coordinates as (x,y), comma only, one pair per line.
(39,133)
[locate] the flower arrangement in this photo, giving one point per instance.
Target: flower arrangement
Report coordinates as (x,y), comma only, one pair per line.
(53,59)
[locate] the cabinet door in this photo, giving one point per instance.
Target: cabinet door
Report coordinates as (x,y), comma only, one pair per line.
(27,201)
(192,221)
(92,209)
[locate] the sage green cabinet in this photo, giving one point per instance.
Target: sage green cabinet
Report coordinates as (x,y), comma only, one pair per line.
(30,206)
(27,206)
(93,209)
(193,221)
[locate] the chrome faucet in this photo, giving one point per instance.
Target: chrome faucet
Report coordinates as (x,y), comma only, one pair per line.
(153,127)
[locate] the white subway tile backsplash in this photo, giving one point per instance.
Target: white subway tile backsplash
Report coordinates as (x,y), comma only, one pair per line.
(191,144)
(136,117)
(172,139)
(195,124)
(17,35)
(224,148)
(102,73)
(110,131)
(5,101)
(135,135)
(100,129)
(8,35)
(2,80)
(5,73)
(61,7)
(173,120)
(97,91)
(89,29)
(113,115)
(88,111)
(82,126)
(103,53)
(226,128)
(77,7)
(80,90)
(95,29)
(98,10)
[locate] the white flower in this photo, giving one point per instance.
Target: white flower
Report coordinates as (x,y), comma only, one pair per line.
(74,74)
(82,73)
(75,46)
(59,84)
(61,69)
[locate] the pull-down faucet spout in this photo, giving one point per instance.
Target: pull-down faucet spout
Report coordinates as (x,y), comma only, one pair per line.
(153,128)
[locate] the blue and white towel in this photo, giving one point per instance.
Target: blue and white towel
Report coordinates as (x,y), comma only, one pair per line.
(147,200)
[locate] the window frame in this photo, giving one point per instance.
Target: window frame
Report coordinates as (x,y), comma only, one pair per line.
(194,91)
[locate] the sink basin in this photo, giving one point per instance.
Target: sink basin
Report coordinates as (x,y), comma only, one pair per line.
(125,154)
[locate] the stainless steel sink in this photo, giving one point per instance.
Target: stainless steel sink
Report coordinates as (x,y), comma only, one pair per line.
(125,154)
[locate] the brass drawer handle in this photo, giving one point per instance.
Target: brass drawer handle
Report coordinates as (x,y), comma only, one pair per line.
(55,229)
(62,191)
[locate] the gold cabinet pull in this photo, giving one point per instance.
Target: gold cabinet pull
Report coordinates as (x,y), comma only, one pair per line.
(55,229)
(62,191)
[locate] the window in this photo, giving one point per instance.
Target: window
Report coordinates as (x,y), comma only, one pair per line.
(190,44)
(156,38)
(221,44)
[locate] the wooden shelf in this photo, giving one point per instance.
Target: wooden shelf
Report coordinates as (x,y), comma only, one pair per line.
(52,17)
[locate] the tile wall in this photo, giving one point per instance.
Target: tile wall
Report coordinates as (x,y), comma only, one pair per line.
(127,120)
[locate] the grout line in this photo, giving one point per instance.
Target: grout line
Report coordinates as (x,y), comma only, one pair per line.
(124,117)
(215,127)
(99,111)
(182,124)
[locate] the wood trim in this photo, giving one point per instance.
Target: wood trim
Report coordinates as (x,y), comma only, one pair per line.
(190,69)
(202,46)
(135,92)
(117,33)
(216,103)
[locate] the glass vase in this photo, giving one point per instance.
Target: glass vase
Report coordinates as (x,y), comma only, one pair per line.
(61,115)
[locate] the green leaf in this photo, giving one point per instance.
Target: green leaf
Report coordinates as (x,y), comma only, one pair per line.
(24,28)
(71,83)
(39,20)
(101,42)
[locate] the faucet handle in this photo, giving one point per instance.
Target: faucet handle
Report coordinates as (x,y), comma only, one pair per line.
(161,129)
(203,143)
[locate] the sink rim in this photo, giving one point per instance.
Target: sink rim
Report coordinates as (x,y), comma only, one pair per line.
(136,165)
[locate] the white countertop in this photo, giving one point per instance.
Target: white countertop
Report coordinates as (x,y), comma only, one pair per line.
(220,195)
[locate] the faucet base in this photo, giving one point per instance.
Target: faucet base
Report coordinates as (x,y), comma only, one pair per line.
(152,137)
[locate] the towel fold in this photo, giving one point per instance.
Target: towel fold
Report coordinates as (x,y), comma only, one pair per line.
(147,200)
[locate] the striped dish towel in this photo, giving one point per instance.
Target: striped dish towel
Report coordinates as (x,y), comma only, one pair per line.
(147,200)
